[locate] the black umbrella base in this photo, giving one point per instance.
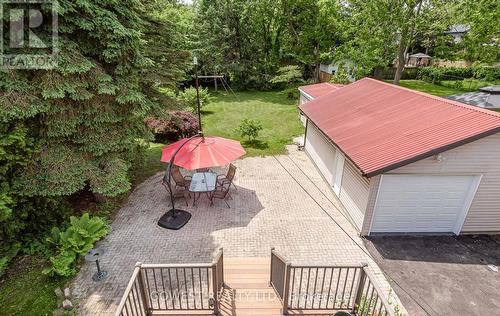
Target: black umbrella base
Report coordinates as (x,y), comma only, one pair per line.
(175,222)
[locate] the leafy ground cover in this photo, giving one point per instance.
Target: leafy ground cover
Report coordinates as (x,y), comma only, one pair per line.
(26,291)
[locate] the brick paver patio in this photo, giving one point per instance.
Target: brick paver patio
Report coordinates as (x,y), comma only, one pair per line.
(270,209)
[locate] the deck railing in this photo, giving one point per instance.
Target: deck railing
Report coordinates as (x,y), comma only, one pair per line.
(168,287)
(309,287)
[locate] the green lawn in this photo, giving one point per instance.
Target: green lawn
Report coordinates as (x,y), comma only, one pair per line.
(26,291)
(468,84)
(429,88)
(274,110)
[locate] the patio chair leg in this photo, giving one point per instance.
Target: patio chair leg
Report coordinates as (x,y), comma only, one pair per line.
(227,204)
(234,186)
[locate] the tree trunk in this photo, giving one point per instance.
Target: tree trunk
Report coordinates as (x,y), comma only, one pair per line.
(405,41)
(401,61)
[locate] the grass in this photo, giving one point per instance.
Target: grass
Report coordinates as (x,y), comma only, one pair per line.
(468,84)
(26,291)
(277,114)
(430,88)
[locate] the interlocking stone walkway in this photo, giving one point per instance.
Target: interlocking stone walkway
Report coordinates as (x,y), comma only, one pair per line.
(269,209)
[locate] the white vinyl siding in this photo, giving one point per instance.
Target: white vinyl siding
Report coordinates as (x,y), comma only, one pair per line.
(339,172)
(321,151)
(354,193)
(423,203)
(303,99)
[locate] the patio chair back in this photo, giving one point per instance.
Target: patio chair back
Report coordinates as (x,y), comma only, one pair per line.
(231,172)
(178,177)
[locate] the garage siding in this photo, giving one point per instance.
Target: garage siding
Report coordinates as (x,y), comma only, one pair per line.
(354,193)
(481,157)
(321,151)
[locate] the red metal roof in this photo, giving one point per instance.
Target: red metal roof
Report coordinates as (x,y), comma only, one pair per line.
(319,89)
(380,126)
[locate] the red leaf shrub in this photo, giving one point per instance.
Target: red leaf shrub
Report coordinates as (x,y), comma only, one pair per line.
(180,124)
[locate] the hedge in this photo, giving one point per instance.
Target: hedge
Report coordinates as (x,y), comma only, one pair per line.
(436,74)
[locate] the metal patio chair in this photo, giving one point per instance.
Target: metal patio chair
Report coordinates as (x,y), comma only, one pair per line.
(228,178)
(180,180)
(177,191)
(221,192)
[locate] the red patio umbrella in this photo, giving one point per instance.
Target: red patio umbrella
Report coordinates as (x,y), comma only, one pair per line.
(203,152)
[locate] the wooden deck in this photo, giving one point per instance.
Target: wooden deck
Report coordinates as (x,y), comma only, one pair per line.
(247,292)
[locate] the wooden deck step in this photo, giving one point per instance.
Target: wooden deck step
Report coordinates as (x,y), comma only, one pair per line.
(248,292)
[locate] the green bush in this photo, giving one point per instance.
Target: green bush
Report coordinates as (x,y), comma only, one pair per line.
(286,76)
(340,77)
(291,93)
(76,240)
(250,129)
(438,74)
(189,100)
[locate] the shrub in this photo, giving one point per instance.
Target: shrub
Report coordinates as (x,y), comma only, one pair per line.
(288,75)
(250,129)
(340,77)
(487,73)
(180,124)
(437,74)
(189,100)
(76,240)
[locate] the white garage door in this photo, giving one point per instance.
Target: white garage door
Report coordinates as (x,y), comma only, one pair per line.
(321,152)
(423,203)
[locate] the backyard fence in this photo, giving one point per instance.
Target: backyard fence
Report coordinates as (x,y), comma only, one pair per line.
(350,288)
(173,287)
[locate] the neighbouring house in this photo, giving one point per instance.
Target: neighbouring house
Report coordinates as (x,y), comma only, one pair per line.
(418,60)
(327,70)
(487,97)
(402,161)
(310,92)
(458,31)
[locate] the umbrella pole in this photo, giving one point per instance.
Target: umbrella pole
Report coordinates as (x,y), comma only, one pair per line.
(198,97)
(175,219)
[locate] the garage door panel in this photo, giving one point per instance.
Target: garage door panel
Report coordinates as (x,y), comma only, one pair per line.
(422,203)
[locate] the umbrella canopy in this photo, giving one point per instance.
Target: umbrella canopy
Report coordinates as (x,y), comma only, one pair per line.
(203,152)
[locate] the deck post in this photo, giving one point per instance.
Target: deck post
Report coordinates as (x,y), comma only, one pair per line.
(142,288)
(215,286)
(359,290)
(286,290)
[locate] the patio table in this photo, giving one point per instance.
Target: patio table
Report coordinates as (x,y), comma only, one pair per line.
(202,182)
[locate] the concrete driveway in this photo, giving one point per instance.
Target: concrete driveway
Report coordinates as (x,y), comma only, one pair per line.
(442,275)
(281,201)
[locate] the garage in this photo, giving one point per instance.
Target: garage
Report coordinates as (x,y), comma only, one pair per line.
(423,203)
(404,162)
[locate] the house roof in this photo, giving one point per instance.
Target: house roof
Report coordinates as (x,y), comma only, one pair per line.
(420,55)
(319,89)
(487,97)
(458,28)
(380,126)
